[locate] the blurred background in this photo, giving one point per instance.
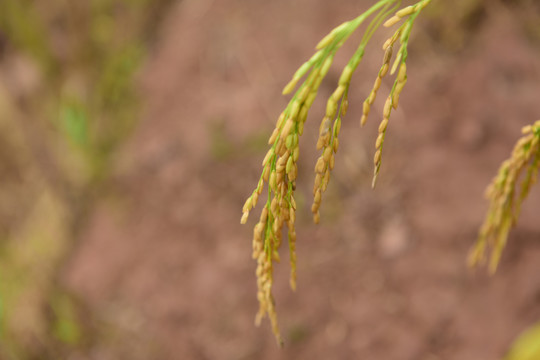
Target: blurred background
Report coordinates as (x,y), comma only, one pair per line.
(131,132)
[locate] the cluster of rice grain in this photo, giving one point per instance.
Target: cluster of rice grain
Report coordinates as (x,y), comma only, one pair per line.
(505,202)
(280,163)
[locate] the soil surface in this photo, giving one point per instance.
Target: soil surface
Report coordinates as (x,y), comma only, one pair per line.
(167,264)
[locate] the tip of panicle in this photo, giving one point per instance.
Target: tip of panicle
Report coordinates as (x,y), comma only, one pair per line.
(374,181)
(244,218)
(292,283)
(289,87)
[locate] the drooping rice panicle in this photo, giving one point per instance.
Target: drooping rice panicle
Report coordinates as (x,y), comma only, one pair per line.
(280,167)
(504,201)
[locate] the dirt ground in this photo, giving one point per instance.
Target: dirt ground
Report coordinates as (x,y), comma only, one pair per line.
(384,275)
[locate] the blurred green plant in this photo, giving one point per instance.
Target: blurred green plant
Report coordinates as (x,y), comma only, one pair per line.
(66,328)
(64,130)
(526,346)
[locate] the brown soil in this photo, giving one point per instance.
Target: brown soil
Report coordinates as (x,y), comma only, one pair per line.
(384,275)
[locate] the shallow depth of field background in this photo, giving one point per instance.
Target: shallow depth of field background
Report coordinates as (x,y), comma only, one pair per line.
(132,131)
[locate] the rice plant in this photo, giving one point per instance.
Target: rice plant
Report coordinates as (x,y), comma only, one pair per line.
(280,163)
(279,166)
